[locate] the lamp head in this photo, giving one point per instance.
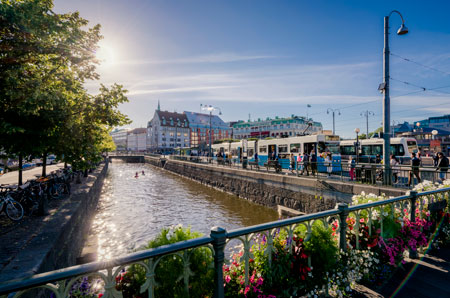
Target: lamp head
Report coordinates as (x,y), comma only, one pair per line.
(402,30)
(357,130)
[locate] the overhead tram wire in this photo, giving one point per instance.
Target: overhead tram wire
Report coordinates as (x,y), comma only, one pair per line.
(420,64)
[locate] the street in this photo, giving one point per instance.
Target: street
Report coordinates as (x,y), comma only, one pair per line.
(12,178)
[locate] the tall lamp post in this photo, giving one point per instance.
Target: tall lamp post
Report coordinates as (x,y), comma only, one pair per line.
(367,114)
(210,109)
(333,111)
(384,87)
(357,143)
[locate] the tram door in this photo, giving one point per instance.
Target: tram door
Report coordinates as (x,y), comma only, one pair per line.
(308,147)
(272,148)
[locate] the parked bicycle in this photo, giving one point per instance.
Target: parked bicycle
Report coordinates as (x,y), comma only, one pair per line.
(11,207)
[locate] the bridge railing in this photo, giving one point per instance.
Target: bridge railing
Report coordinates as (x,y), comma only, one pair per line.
(60,282)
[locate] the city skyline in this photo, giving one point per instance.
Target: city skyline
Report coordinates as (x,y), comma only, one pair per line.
(272,60)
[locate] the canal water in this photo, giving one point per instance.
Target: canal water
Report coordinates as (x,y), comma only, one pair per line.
(131,211)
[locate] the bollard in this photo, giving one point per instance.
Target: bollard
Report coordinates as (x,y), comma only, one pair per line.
(220,238)
(343,208)
(412,218)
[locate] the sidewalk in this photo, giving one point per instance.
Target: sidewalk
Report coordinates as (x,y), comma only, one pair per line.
(13,177)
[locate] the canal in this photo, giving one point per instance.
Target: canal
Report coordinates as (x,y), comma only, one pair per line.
(131,211)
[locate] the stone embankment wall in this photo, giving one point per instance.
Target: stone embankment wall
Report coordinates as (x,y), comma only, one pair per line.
(60,240)
(269,189)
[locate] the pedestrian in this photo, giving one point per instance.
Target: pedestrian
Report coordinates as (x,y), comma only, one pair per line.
(351,165)
(256,157)
(395,167)
(329,164)
(313,160)
(436,159)
(299,162)
(442,166)
(378,158)
(415,169)
(292,165)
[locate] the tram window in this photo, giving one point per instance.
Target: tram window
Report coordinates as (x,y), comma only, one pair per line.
(250,152)
(282,148)
(263,149)
(348,150)
(333,148)
(295,148)
(397,150)
(365,150)
(377,149)
(321,147)
(412,146)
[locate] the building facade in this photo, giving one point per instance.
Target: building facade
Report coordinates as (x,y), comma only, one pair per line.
(200,126)
(119,137)
(276,128)
(167,131)
(440,122)
(137,139)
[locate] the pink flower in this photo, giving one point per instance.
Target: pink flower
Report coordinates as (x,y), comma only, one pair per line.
(227,278)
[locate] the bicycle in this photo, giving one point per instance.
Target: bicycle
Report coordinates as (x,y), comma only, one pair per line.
(11,207)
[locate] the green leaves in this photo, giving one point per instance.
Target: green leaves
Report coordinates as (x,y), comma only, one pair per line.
(44,60)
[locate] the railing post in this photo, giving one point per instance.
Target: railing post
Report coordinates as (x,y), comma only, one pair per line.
(343,213)
(220,237)
(412,218)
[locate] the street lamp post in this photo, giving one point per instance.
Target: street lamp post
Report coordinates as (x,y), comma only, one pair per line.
(210,108)
(333,111)
(367,114)
(386,101)
(357,143)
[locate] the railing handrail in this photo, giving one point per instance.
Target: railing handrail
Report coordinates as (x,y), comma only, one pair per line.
(281,223)
(74,271)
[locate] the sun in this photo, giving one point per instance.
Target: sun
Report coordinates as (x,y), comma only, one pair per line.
(105,54)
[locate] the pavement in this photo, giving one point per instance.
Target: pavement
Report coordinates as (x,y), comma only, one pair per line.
(12,178)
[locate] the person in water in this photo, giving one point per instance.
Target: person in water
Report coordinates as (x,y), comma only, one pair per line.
(143,173)
(137,175)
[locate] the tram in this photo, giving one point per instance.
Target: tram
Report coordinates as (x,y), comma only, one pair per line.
(283,148)
(402,148)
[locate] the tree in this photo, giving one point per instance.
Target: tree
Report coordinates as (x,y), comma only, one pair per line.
(44,60)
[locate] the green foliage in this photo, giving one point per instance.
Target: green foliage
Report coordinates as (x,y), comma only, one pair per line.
(323,250)
(44,60)
(170,269)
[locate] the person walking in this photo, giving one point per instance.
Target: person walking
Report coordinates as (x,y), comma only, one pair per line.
(292,165)
(415,169)
(299,162)
(313,160)
(351,166)
(395,168)
(442,166)
(329,164)
(305,161)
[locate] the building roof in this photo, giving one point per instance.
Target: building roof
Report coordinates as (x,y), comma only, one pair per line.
(200,119)
(138,130)
(172,118)
(277,120)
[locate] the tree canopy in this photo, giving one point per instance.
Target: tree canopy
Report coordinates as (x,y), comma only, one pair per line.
(45,58)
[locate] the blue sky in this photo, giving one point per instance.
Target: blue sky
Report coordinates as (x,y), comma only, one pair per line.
(272,58)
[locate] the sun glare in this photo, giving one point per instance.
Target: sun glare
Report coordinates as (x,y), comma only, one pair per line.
(105,54)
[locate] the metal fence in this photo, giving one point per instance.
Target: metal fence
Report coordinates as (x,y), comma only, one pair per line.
(402,176)
(59,282)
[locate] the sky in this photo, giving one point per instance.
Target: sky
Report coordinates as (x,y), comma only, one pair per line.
(258,59)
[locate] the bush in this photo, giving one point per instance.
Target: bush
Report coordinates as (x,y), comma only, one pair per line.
(170,269)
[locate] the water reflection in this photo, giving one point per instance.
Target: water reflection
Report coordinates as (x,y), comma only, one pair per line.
(133,210)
